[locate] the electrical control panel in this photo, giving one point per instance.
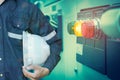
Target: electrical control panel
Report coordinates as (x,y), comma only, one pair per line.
(93,48)
(101,53)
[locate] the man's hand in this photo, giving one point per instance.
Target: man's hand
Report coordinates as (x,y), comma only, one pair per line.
(39,72)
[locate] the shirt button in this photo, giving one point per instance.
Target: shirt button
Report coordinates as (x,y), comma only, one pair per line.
(0,59)
(1,75)
(18,25)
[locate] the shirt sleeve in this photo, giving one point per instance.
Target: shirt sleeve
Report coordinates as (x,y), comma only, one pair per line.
(39,25)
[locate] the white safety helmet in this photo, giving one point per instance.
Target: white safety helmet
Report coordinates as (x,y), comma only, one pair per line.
(35,49)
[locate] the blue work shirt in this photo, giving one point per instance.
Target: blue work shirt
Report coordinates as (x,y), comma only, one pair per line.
(17,16)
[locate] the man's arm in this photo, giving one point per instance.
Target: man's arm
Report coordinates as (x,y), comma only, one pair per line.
(39,26)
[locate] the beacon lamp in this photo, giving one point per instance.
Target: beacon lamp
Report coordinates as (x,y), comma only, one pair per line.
(74,27)
(110,22)
(88,29)
(70,27)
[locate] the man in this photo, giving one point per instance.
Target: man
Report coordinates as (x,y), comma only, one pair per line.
(17,16)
